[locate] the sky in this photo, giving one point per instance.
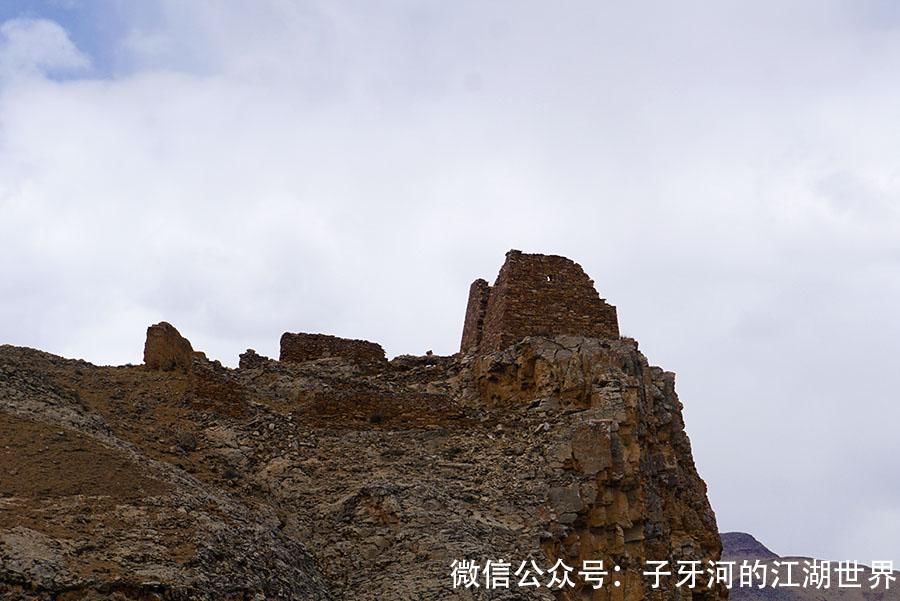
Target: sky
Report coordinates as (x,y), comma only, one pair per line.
(728,174)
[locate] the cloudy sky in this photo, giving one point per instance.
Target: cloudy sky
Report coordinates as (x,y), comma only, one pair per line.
(728,173)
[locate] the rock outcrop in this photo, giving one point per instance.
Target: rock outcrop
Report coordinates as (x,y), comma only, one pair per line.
(165,349)
(622,485)
(311,478)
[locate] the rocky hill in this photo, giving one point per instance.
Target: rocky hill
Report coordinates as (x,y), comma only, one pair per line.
(333,473)
(740,547)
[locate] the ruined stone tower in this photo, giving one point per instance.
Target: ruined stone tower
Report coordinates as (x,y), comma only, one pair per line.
(535,295)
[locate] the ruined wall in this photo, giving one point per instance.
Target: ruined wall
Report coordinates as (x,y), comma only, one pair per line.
(296,348)
(251,360)
(479,292)
(166,349)
(535,295)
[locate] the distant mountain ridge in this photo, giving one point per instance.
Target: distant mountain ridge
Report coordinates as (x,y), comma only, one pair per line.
(740,546)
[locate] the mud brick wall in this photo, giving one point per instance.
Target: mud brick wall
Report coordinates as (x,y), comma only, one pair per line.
(297,348)
(473,327)
(166,349)
(535,295)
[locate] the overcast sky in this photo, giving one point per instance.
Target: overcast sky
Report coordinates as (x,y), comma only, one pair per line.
(728,173)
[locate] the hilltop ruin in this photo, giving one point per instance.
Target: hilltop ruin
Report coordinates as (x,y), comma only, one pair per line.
(333,473)
(300,347)
(535,295)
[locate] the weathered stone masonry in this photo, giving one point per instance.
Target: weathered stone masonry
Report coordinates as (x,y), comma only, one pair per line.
(535,295)
(297,348)
(166,349)
(473,326)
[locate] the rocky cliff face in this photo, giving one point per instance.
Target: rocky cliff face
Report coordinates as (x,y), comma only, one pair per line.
(621,480)
(326,479)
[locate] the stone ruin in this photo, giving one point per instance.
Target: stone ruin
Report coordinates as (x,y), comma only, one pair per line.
(165,349)
(300,347)
(595,427)
(535,295)
(250,359)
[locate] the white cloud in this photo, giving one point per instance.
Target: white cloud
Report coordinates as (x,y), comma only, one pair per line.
(29,46)
(722,171)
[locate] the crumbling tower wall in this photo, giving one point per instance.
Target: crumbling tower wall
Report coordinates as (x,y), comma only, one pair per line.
(535,295)
(473,327)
